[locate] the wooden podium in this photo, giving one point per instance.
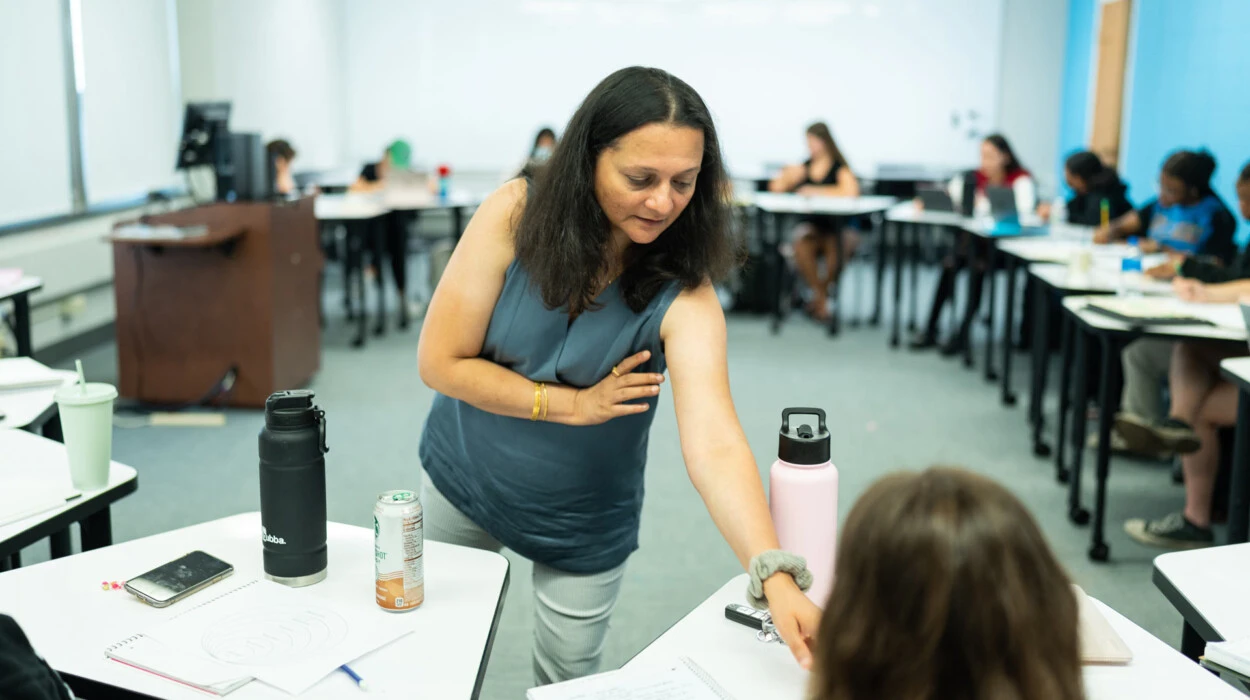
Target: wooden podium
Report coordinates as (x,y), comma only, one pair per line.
(245,295)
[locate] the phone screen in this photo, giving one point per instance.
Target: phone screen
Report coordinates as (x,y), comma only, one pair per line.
(170,580)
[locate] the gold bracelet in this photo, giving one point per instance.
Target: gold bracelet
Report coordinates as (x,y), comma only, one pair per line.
(538,399)
(544,417)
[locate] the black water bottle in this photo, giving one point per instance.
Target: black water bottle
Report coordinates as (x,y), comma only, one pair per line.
(293,489)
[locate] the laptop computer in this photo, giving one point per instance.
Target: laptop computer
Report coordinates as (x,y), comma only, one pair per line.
(935,199)
(1002,203)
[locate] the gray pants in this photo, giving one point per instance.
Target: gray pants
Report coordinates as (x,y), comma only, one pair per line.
(1146,363)
(571,611)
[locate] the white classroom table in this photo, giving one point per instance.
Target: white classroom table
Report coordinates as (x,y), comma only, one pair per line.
(1208,588)
(445,656)
(1111,335)
(749,669)
(773,205)
(20,293)
(28,457)
(20,408)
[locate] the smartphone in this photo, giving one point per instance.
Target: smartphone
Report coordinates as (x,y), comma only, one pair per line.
(169,583)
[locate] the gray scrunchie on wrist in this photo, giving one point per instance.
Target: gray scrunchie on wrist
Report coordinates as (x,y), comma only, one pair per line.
(765,564)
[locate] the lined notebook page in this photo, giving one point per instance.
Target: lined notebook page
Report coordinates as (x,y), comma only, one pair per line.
(680,680)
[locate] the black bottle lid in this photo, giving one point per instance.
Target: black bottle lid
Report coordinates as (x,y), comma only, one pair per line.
(802,445)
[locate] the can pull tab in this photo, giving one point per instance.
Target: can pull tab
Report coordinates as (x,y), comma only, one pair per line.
(321,426)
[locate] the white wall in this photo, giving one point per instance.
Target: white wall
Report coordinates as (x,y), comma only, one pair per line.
(280,62)
(1031,83)
(468,82)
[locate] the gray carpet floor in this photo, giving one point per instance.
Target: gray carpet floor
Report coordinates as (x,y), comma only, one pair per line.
(888,410)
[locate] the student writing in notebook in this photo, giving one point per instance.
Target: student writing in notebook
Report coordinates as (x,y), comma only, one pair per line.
(547,340)
(946,588)
(1189,221)
(825,173)
(1095,187)
(1202,401)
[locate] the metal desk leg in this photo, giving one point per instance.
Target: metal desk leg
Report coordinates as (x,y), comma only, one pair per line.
(1065,396)
(896,316)
(1098,550)
(1192,643)
(1239,489)
(59,544)
(1009,315)
(778,265)
(879,297)
(355,274)
(1041,366)
(1076,513)
(378,232)
(834,318)
(915,275)
(96,530)
(991,278)
(21,323)
(457,223)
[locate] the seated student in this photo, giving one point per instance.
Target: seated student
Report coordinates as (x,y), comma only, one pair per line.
(393,169)
(540,152)
(826,174)
(1092,183)
(281,154)
(999,168)
(1202,402)
(946,588)
(23,675)
(1187,220)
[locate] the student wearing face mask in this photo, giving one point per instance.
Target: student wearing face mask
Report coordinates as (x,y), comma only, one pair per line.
(547,340)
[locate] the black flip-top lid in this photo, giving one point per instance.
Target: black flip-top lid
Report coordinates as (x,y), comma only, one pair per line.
(802,445)
(295,409)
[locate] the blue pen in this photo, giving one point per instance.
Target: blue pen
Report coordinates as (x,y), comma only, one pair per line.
(360,682)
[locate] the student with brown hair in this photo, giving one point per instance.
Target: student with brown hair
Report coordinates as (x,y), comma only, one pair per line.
(946,589)
(281,154)
(824,174)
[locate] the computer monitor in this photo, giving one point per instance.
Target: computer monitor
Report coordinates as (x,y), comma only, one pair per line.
(204,130)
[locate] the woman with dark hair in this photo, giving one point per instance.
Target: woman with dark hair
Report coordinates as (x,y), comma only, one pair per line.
(281,155)
(999,168)
(1094,186)
(1186,220)
(539,154)
(547,339)
(946,588)
(824,174)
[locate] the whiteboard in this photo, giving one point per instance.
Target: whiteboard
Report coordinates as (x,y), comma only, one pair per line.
(912,81)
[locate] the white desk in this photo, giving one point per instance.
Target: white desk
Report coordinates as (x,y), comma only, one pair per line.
(1111,335)
(909,213)
(1208,588)
(443,658)
(24,455)
(773,205)
(20,294)
(749,669)
(348,207)
(20,408)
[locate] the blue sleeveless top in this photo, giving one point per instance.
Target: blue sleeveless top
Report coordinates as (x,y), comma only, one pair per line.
(565,496)
(1186,229)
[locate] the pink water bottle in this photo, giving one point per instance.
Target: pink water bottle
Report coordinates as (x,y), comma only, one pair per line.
(803,498)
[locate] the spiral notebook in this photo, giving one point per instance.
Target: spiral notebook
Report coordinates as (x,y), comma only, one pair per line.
(680,680)
(147,654)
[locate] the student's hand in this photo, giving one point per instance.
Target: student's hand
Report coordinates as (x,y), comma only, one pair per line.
(797,618)
(1043,211)
(1162,271)
(1190,289)
(1148,245)
(1102,235)
(613,397)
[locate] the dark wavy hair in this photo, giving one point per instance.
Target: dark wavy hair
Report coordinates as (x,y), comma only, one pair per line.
(1090,168)
(1000,143)
(946,589)
(821,131)
(563,234)
(1194,168)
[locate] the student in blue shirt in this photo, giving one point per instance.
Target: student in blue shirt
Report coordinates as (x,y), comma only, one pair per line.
(1190,221)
